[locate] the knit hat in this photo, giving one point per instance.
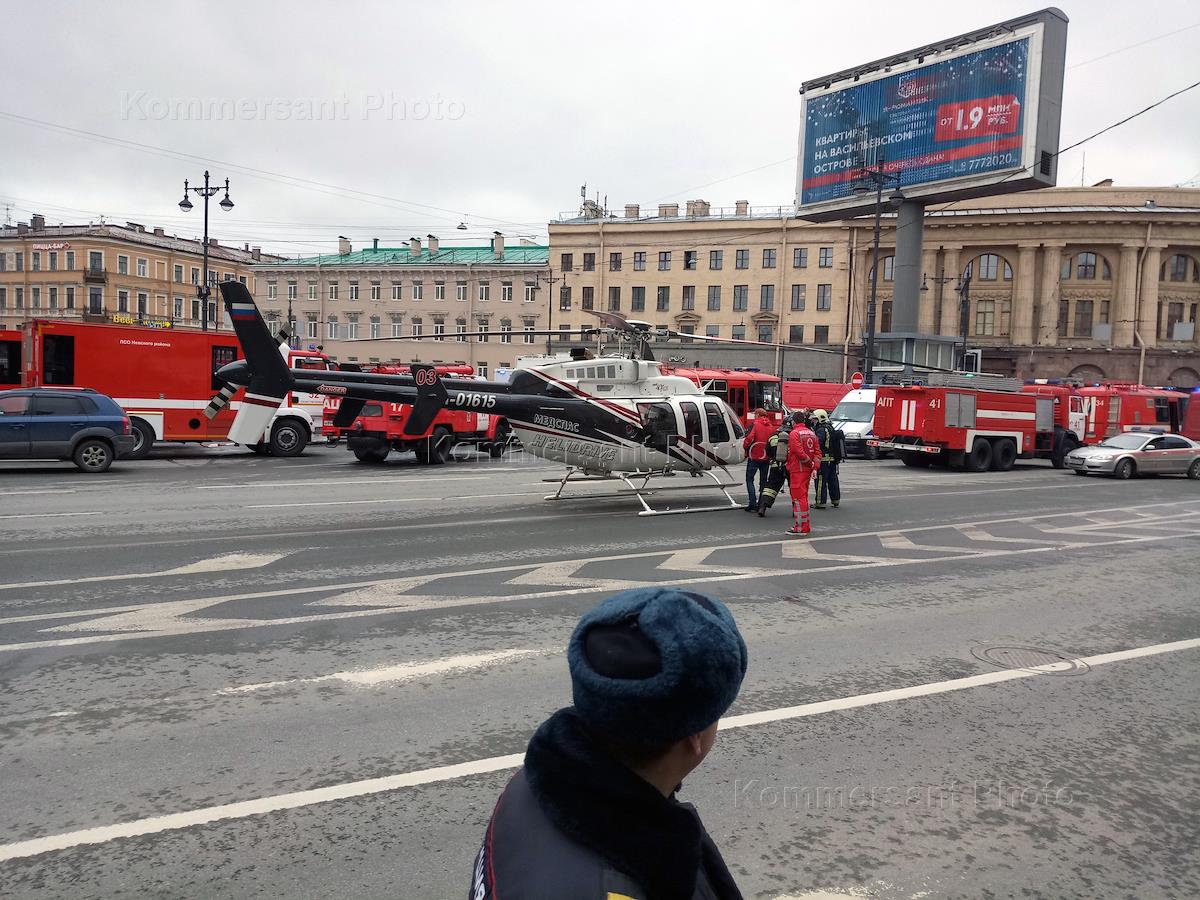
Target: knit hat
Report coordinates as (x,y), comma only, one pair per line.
(654,665)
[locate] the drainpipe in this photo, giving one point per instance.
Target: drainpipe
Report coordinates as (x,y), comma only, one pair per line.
(849,304)
(1137,312)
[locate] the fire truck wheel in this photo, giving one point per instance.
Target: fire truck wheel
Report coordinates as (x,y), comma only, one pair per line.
(93,455)
(915,460)
(440,444)
(1059,458)
(1125,469)
(143,439)
(496,447)
(372,454)
(1004,454)
(980,457)
(288,438)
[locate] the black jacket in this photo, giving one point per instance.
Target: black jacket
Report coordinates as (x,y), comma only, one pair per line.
(575,823)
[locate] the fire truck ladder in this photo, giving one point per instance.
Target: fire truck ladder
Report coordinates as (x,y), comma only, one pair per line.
(638,484)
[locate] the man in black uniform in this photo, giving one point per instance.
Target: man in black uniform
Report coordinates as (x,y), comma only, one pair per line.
(833,451)
(592,815)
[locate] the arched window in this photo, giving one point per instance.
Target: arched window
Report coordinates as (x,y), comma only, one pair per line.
(1087,374)
(989,267)
(1085,266)
(1175,268)
(1184,377)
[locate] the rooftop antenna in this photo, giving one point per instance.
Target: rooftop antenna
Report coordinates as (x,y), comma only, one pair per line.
(7,214)
(1083,171)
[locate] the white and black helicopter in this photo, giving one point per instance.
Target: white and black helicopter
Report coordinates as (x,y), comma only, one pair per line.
(609,418)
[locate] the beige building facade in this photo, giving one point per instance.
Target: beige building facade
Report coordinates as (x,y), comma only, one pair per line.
(111,273)
(1094,283)
(479,306)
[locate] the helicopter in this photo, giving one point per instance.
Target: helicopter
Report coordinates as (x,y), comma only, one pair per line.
(605,418)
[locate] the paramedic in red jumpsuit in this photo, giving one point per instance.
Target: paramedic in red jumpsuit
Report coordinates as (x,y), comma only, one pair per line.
(804,456)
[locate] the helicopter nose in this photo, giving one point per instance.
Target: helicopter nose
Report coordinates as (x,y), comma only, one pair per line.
(237,372)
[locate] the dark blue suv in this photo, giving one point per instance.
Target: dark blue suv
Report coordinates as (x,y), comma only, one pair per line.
(78,424)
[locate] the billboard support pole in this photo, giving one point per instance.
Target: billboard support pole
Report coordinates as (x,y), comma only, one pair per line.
(910,224)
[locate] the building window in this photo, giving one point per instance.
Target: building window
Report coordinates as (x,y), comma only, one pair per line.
(272,290)
(564,299)
(439,329)
(333,290)
(331,328)
(821,334)
(35,297)
(985,317)
(664,260)
(96,302)
(37,262)
(397,327)
(716,259)
(19,298)
(589,262)
(71,300)
(1174,317)
(415,327)
(460,290)
(614,262)
(505,331)
(769,259)
(122,301)
(889,269)
(567,262)
(53,261)
(714,298)
(685,332)
(122,265)
(741,259)
(527,330)
(481,369)
(1083,319)
(485,290)
(178,311)
(397,290)
(766,334)
(588,300)
(530,291)
(195,275)
(179,274)
(19,261)
(482,327)
(352,328)
(825,258)
(374,327)
(353,290)
(766,297)
(689,297)
(71,263)
(712,331)
(1085,266)
(663,302)
(1105,311)
(376,291)
(689,260)
(639,261)
(614,299)
(439,290)
(312,290)
(460,329)
(739,332)
(741,297)
(824,296)
(291,286)
(637,299)
(54,298)
(798,296)
(141,268)
(795,334)
(506,292)
(799,257)
(1177,268)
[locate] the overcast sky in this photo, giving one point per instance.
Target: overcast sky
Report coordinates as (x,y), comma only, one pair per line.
(495,114)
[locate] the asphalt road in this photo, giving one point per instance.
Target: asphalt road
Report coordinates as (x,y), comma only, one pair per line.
(230,676)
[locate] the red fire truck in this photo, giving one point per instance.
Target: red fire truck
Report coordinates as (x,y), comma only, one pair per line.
(163,377)
(379,428)
(1111,407)
(953,422)
(10,358)
(743,389)
(814,394)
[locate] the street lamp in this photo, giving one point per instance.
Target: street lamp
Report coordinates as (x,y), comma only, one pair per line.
(186,205)
(878,179)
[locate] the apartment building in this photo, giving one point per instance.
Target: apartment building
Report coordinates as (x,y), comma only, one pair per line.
(1091,282)
(115,273)
(480,306)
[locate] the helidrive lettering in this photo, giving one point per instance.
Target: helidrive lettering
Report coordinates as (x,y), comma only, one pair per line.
(550,442)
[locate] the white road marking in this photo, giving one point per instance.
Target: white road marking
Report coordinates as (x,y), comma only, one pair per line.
(23,493)
(225,563)
(296,799)
(386,596)
(396,500)
(50,515)
(896,541)
(378,479)
(400,672)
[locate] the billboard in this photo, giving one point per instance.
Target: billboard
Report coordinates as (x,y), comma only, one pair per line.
(970,116)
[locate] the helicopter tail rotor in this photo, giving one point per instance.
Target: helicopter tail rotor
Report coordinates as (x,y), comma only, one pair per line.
(264,372)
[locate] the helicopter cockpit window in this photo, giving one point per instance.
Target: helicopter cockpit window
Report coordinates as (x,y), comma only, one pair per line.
(691,422)
(612,372)
(718,429)
(735,423)
(660,422)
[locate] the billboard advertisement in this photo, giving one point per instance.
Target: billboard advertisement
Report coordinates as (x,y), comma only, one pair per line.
(979,116)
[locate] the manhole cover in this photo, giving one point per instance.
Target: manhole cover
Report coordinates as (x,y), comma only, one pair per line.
(1044,662)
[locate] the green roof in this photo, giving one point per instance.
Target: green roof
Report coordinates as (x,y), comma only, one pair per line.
(520,255)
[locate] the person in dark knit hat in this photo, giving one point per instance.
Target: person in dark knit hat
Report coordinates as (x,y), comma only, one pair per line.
(593,814)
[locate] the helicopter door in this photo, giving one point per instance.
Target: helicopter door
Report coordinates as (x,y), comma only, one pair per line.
(661,426)
(693,433)
(720,437)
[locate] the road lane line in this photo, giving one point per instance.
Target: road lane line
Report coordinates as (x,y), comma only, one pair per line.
(334,481)
(395,500)
(348,790)
(227,562)
(50,515)
(23,493)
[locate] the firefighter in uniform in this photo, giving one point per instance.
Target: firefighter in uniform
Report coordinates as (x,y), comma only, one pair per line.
(804,455)
(757,461)
(833,450)
(777,448)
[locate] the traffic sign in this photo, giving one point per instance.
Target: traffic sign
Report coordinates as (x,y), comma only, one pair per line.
(856,380)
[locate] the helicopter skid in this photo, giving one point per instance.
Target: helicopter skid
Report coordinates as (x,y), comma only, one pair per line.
(642,489)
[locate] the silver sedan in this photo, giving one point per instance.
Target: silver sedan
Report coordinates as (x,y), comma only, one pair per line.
(1138,453)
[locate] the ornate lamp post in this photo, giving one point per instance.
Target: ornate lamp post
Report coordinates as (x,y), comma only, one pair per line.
(186,205)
